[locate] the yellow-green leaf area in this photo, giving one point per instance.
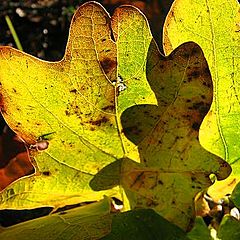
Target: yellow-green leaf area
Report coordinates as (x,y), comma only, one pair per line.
(75,105)
(71,105)
(133,39)
(214,25)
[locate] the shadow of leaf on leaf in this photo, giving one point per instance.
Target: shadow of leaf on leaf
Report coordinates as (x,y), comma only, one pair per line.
(174,167)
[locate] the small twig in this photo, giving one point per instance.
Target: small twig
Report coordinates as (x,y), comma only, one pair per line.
(13,32)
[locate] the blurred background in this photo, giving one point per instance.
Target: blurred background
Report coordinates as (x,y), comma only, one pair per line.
(42,26)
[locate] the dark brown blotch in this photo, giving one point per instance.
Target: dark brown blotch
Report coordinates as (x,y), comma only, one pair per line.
(46,173)
(196,51)
(197,105)
(67,113)
(160,182)
(73,91)
(108,108)
(195,126)
(207,71)
(195,74)
(201,107)
(108,65)
(99,122)
(193,178)
(207,84)
(186,55)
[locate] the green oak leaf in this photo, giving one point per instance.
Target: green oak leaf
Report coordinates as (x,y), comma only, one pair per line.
(200,230)
(143,224)
(229,228)
(92,221)
(235,196)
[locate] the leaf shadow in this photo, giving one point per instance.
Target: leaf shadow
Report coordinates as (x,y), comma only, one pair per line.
(167,134)
(139,120)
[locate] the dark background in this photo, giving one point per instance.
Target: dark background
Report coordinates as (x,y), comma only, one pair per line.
(42,26)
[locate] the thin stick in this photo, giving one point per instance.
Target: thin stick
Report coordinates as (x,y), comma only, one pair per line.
(13,32)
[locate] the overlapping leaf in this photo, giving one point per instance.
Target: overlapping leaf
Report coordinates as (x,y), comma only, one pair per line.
(166,134)
(89,222)
(95,221)
(214,25)
(200,230)
(229,228)
(171,151)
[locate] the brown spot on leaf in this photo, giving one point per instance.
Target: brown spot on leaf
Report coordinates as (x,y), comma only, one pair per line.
(160,182)
(195,74)
(207,84)
(201,107)
(108,108)
(195,126)
(67,113)
(99,121)
(207,71)
(73,91)
(197,105)
(108,65)
(196,51)
(193,179)
(2,107)
(46,173)
(186,55)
